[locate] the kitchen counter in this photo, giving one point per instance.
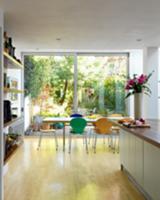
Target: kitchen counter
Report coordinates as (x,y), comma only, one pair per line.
(151,135)
(140,157)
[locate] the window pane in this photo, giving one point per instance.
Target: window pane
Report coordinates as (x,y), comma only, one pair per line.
(49,83)
(101,81)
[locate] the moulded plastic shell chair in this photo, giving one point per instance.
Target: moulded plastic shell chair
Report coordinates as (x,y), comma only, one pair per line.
(104,127)
(76,115)
(78,127)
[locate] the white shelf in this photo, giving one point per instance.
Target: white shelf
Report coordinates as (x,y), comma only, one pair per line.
(12,90)
(10,62)
(11,122)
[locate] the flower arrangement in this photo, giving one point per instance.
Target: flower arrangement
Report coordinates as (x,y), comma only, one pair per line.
(138,84)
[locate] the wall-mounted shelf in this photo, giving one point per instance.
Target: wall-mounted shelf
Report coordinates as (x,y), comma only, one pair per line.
(11,62)
(12,121)
(12,90)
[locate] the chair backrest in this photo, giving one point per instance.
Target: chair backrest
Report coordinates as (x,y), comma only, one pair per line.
(76,115)
(103,126)
(78,125)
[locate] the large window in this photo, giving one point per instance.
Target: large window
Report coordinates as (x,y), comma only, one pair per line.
(49,83)
(90,84)
(101,82)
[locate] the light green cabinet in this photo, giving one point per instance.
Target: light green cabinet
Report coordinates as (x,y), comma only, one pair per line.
(139,162)
(152,170)
(131,153)
(124,146)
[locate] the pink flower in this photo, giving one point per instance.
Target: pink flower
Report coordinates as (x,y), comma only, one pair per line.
(127,87)
(142,79)
(131,82)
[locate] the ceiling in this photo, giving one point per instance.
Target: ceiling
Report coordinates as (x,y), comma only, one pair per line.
(82,24)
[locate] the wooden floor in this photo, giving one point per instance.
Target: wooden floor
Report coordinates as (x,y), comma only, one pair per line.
(50,175)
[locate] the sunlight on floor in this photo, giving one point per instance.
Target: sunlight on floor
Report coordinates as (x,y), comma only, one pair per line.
(46,174)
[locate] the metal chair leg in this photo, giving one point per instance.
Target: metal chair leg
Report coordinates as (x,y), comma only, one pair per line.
(83,140)
(117,143)
(95,143)
(90,135)
(93,140)
(40,139)
(109,140)
(56,141)
(103,139)
(70,138)
(86,142)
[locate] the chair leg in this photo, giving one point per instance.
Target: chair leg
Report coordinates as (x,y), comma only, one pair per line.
(83,140)
(86,142)
(103,139)
(70,141)
(95,143)
(40,139)
(114,143)
(117,143)
(56,141)
(93,140)
(90,135)
(109,137)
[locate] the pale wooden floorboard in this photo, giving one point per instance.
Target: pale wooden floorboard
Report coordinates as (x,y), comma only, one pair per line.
(50,175)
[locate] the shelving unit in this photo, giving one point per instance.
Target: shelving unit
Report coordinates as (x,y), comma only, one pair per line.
(11,62)
(12,90)
(11,122)
(14,70)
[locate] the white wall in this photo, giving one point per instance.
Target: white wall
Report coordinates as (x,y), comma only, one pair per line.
(151,63)
(145,61)
(135,67)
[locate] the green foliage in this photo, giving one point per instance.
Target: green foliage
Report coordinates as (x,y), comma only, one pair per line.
(36,75)
(115,94)
(62,78)
(98,76)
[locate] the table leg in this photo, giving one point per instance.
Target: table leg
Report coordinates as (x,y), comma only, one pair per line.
(64,137)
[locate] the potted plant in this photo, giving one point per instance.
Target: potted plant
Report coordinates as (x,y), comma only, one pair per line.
(137,86)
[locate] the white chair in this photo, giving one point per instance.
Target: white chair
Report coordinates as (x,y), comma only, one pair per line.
(43,131)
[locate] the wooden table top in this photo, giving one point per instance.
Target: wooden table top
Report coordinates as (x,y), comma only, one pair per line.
(64,119)
(151,135)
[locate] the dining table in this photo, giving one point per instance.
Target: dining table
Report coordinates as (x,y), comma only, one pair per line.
(66,121)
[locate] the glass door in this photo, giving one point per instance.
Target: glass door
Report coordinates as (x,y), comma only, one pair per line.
(49,82)
(101,83)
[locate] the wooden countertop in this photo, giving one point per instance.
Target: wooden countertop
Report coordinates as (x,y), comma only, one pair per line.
(151,135)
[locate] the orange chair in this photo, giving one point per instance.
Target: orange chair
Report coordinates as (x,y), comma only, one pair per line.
(104,127)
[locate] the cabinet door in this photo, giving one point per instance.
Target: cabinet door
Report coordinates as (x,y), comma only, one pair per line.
(132,155)
(139,163)
(124,145)
(152,170)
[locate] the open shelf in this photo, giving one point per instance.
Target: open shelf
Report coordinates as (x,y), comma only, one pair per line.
(13,63)
(12,151)
(11,122)
(12,90)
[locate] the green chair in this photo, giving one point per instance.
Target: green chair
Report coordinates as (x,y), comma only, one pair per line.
(78,128)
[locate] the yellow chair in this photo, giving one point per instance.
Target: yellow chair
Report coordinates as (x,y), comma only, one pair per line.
(105,127)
